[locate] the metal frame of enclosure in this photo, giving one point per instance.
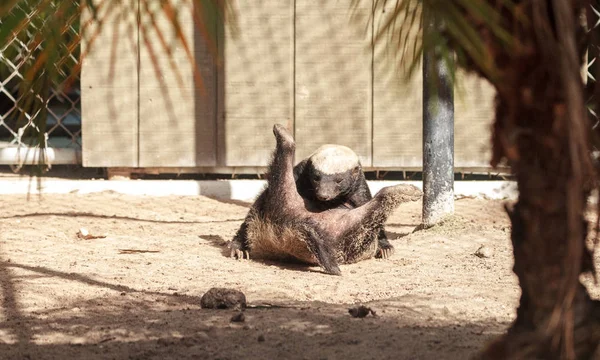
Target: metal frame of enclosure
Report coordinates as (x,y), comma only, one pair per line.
(309,65)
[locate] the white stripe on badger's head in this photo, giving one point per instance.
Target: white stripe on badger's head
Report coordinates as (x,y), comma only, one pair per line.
(334,159)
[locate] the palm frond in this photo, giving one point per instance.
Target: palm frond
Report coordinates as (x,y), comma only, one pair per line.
(400,27)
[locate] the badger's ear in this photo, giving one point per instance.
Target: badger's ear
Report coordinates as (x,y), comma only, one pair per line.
(356,170)
(300,168)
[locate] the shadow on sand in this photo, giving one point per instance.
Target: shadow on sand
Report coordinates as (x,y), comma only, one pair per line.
(135,324)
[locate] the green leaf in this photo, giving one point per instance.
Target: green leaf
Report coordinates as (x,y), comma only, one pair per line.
(9,24)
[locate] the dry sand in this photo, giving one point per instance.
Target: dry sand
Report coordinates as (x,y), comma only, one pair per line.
(135,294)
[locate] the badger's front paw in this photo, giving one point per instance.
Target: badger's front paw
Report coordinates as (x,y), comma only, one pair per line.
(401,193)
(238,251)
(384,251)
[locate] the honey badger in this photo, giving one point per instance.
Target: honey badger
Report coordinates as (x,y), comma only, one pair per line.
(332,177)
(283,225)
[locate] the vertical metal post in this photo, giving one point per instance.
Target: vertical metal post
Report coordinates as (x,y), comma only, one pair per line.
(438,131)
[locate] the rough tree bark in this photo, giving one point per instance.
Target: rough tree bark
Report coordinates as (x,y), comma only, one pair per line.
(541,129)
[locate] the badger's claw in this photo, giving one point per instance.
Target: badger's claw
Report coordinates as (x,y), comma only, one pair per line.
(240,254)
(385,252)
(334,271)
(237,252)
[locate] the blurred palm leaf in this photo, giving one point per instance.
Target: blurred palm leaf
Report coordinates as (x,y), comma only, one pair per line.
(460,24)
(40,44)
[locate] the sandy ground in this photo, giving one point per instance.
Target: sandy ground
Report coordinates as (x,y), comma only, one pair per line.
(135,294)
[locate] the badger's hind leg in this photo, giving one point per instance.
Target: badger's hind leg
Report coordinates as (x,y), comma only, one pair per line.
(377,210)
(363,221)
(287,206)
(321,247)
(282,195)
(361,197)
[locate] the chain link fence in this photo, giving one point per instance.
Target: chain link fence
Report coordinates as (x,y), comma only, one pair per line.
(63,121)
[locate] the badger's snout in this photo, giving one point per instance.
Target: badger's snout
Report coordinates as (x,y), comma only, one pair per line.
(324,197)
(326,193)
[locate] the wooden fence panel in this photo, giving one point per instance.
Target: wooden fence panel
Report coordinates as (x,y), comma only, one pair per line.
(397,104)
(333,76)
(474,114)
(109,84)
(302,63)
(398,112)
(177,115)
(256,81)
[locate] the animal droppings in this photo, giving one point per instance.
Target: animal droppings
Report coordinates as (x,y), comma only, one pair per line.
(239,317)
(361,311)
(223,298)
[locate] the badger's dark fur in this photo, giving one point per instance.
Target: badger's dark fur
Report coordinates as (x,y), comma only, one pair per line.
(332,177)
(281,224)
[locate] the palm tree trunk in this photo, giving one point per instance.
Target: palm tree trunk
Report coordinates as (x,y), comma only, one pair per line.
(541,129)
(556,317)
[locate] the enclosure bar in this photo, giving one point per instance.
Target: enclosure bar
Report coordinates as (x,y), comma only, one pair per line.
(138,104)
(438,130)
